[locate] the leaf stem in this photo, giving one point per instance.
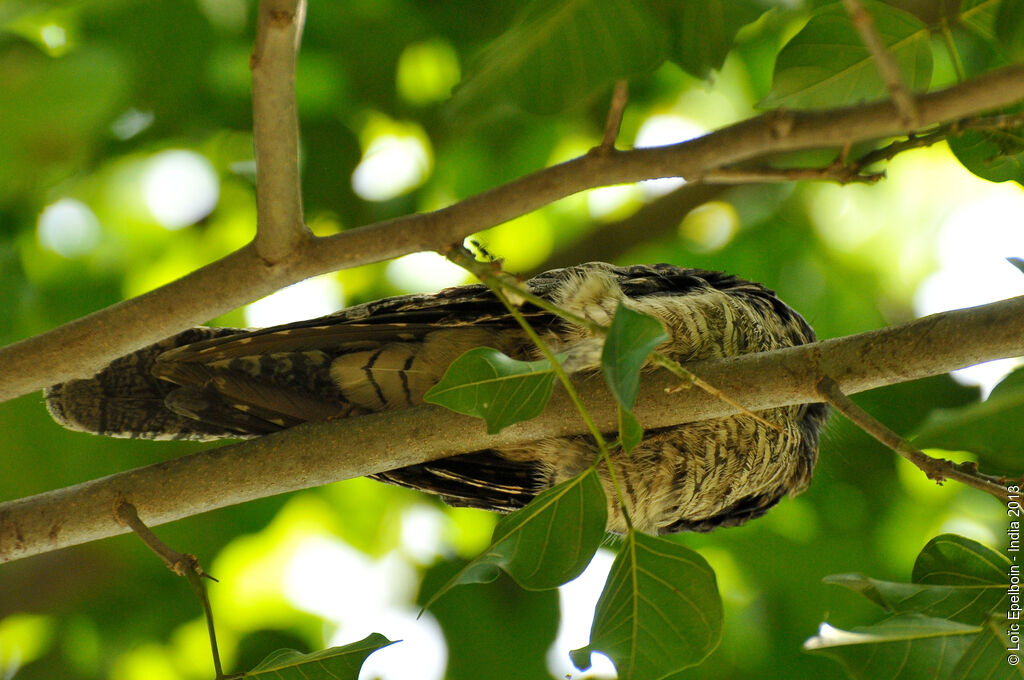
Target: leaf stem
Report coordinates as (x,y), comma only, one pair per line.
(181,564)
(954,55)
(491,278)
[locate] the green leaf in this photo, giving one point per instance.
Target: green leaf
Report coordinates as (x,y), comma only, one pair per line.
(487,384)
(942,627)
(949,559)
(559,54)
(335,662)
(631,338)
(631,433)
(827,65)
(702,31)
(979,16)
(547,543)
(994,428)
(1016,262)
(1010,29)
(986,658)
(904,647)
(660,611)
(995,155)
(968,603)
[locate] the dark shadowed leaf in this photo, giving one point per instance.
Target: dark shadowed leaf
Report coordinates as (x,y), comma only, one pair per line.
(335,662)
(547,543)
(994,428)
(826,63)
(904,647)
(559,54)
(1009,26)
(702,31)
(660,611)
(487,384)
(995,155)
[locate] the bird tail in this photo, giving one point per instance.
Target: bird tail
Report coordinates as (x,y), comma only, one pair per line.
(126,400)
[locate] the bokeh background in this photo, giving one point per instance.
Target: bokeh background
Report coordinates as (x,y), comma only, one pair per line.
(126,161)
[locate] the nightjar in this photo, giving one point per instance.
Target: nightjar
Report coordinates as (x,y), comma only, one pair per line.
(224,383)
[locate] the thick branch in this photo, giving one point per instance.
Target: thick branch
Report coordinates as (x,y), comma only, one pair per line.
(280,228)
(81,347)
(320,453)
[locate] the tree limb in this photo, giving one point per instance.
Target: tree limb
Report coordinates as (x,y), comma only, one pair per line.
(275,120)
(83,346)
(319,453)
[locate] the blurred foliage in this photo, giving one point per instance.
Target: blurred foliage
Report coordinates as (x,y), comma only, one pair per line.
(95,93)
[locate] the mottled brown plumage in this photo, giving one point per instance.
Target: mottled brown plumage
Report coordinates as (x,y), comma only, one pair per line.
(217,383)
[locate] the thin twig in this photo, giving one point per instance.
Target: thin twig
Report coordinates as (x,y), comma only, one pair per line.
(689,378)
(887,66)
(937,469)
(835,172)
(181,564)
(620,97)
(279,223)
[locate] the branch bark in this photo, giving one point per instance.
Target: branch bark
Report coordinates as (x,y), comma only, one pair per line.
(320,453)
(279,224)
(83,346)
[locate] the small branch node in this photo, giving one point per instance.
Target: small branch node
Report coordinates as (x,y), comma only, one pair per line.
(620,97)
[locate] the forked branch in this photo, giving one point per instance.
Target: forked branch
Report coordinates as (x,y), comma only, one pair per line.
(937,469)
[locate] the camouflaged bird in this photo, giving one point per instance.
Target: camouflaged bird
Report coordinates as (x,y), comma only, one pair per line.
(222,383)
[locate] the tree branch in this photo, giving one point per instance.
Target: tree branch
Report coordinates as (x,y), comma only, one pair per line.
(279,225)
(937,469)
(319,453)
(83,346)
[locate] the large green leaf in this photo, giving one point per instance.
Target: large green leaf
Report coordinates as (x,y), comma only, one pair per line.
(826,63)
(904,647)
(660,611)
(334,663)
(547,543)
(987,657)
(485,383)
(702,31)
(994,428)
(559,54)
(949,559)
(965,603)
(942,622)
